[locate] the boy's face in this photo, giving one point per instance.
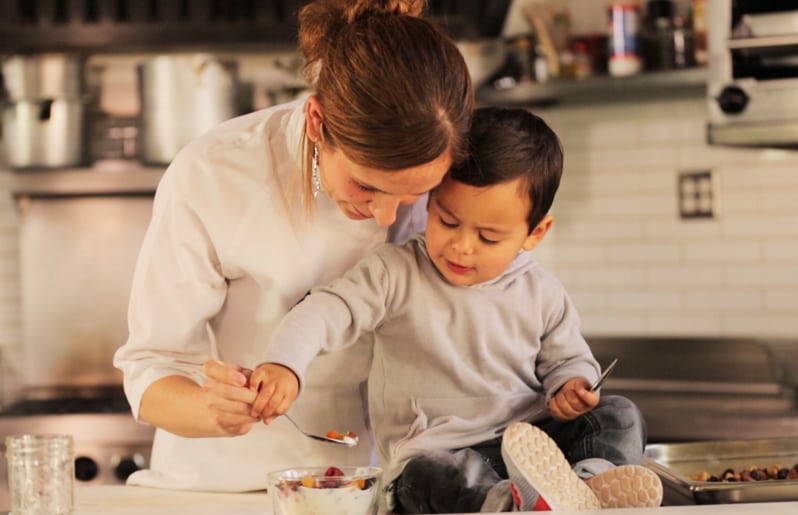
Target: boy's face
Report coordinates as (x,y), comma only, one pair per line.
(473,234)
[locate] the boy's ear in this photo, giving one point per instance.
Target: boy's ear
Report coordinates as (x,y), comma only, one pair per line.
(538,233)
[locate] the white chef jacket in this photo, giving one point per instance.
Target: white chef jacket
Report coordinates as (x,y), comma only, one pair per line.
(227,253)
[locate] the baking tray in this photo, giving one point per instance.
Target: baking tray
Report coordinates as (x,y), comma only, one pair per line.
(677,462)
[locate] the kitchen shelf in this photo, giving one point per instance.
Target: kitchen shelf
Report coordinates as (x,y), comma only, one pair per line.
(645,86)
(104,178)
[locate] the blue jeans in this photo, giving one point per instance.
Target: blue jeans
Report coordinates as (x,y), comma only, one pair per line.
(462,480)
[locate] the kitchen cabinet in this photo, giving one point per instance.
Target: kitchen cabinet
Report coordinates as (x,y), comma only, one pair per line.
(28,26)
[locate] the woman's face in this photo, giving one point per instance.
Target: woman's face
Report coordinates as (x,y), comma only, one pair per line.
(362,192)
(473,234)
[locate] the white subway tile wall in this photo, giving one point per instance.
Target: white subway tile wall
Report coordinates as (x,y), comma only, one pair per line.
(632,266)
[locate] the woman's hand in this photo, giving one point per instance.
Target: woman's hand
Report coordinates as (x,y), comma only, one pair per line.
(220,407)
(228,397)
(573,399)
(277,387)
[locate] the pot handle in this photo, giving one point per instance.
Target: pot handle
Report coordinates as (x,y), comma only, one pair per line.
(45,109)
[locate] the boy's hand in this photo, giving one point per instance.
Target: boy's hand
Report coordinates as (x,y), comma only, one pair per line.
(573,399)
(277,387)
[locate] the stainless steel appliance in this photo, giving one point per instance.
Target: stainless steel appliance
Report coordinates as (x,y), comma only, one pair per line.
(753,73)
(700,388)
(80,231)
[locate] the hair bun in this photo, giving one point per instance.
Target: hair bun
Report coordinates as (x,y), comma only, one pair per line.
(360,8)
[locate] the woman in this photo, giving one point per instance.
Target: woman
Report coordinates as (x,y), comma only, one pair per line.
(252,215)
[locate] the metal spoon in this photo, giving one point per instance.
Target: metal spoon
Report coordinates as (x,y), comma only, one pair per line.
(345,440)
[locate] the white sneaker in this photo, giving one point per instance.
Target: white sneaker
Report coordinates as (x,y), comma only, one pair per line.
(627,486)
(540,475)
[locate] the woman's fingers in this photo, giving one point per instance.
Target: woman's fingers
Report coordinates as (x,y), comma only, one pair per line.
(228,397)
(230,406)
(224,372)
(235,424)
(224,394)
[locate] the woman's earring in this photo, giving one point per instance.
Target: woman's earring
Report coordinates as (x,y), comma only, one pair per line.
(314,167)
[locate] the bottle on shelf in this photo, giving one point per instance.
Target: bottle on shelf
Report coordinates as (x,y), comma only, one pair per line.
(699,22)
(624,48)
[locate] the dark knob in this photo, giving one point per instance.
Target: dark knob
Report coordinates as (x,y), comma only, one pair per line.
(732,99)
(86,469)
(125,467)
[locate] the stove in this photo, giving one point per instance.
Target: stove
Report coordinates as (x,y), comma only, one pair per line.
(109,444)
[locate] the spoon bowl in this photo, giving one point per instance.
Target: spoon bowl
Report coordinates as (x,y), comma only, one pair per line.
(349,441)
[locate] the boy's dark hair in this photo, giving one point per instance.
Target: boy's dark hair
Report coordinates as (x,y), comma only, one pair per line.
(510,143)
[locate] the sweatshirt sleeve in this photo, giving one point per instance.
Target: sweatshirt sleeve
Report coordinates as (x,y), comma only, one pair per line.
(564,352)
(333,317)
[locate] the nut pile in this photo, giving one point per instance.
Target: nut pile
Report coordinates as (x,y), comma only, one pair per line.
(749,474)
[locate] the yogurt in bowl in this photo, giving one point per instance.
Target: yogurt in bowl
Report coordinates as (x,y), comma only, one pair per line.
(325,490)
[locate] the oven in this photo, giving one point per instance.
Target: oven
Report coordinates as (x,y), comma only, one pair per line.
(752,91)
(79,235)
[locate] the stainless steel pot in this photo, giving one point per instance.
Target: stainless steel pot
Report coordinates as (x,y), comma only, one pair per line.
(484,57)
(182,96)
(44,110)
(46,133)
(40,76)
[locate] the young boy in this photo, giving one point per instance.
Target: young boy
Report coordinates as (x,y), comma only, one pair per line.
(480,371)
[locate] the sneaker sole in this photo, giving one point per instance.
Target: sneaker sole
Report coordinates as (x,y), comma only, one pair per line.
(534,460)
(627,486)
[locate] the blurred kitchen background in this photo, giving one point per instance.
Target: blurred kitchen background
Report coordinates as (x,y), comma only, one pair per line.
(676,226)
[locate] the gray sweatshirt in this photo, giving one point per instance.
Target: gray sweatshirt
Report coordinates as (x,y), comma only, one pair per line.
(453,365)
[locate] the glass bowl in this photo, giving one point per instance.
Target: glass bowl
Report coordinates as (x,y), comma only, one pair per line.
(325,490)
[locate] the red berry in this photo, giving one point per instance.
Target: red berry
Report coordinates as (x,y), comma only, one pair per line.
(333,471)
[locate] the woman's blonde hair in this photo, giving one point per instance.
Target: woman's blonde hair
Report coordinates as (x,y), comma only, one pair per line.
(394,88)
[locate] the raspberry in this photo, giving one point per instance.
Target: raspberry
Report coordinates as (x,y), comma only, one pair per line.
(333,471)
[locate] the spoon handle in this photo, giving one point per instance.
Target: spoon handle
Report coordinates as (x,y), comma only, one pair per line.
(595,386)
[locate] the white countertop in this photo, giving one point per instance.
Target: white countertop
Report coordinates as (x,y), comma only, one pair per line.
(131,500)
